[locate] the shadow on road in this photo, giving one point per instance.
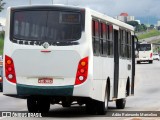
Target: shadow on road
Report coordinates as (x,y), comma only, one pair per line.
(74,111)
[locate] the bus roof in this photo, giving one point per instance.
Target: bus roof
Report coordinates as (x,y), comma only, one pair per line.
(112,20)
(93,13)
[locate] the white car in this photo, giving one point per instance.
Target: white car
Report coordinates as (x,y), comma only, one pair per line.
(155,56)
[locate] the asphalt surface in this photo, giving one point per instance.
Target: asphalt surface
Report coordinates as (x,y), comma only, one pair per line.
(146,98)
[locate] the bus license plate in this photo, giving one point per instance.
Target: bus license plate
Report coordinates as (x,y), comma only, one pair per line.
(45,80)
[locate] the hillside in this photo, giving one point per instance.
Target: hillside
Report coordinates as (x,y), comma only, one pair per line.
(151,33)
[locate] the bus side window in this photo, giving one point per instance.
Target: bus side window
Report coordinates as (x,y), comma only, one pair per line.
(129,44)
(110,40)
(121,37)
(123,45)
(95,37)
(103,40)
(126,45)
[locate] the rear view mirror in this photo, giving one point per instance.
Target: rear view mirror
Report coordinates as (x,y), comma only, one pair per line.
(137,43)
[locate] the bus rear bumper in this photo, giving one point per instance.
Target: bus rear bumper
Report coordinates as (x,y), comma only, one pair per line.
(81,90)
(143,59)
(84,90)
(45,90)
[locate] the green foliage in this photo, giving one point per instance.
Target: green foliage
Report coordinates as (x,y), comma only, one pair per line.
(144,27)
(138,27)
(1,42)
(1,46)
(151,26)
(2,34)
(133,23)
(141,28)
(151,33)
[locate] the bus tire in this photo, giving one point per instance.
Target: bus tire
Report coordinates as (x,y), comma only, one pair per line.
(102,107)
(91,107)
(120,103)
(44,104)
(32,104)
(38,104)
(138,62)
(151,61)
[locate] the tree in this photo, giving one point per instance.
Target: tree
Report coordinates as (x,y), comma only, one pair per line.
(141,28)
(144,27)
(2,5)
(138,27)
(133,23)
(151,26)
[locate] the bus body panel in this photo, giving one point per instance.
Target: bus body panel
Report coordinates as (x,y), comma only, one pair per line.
(52,65)
(9,88)
(124,65)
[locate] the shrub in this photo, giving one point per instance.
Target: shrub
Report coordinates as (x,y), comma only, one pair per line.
(2,34)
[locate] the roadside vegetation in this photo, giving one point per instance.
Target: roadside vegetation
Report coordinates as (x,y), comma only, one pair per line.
(2,3)
(1,42)
(138,27)
(1,46)
(151,33)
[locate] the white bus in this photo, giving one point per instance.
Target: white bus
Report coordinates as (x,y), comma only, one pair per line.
(61,55)
(145,53)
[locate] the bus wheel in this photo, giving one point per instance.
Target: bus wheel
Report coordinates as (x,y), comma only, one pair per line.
(102,107)
(120,103)
(138,62)
(151,61)
(91,107)
(44,104)
(38,104)
(32,104)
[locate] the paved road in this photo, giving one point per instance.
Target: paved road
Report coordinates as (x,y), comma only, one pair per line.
(147,98)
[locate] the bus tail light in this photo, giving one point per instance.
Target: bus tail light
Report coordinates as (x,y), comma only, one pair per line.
(82,71)
(151,55)
(9,69)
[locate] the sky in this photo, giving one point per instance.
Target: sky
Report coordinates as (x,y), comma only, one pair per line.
(145,10)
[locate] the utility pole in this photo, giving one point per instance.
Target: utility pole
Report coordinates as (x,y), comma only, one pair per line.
(30,2)
(148,24)
(52,1)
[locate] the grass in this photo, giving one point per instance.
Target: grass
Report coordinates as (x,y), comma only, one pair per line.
(1,46)
(151,33)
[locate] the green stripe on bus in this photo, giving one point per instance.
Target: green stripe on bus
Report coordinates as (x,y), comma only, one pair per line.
(45,90)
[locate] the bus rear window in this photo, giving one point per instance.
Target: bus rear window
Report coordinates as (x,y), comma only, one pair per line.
(46,26)
(144,47)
